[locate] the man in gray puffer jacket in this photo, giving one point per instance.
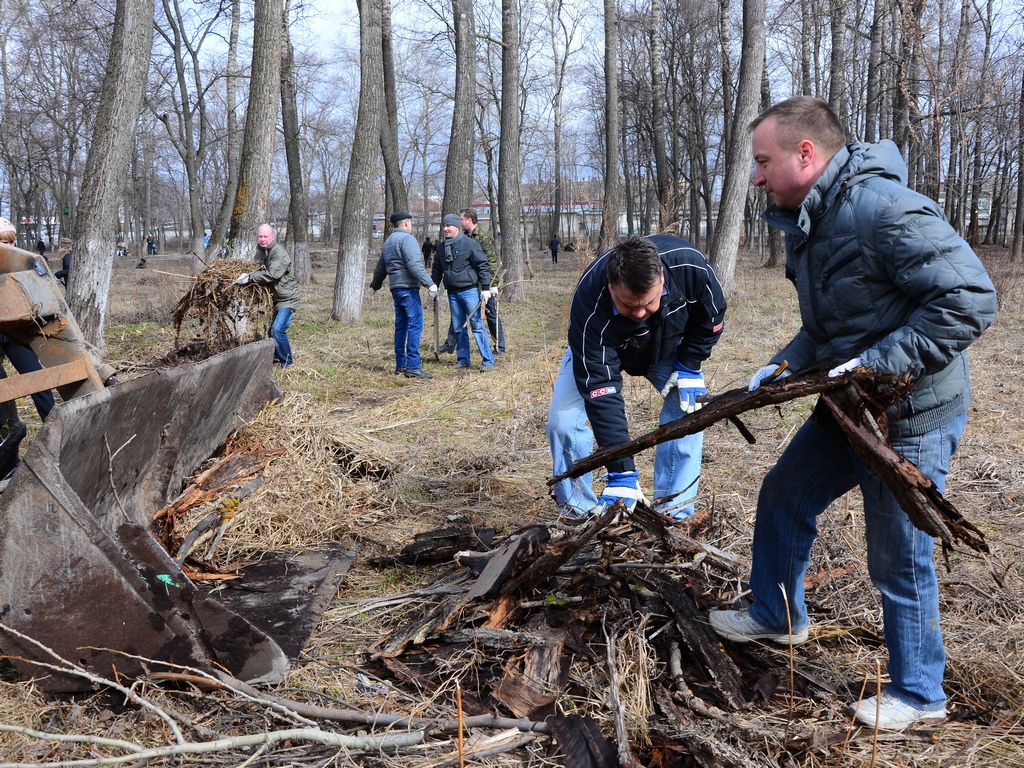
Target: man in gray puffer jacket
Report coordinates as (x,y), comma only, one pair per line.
(883,282)
(401,263)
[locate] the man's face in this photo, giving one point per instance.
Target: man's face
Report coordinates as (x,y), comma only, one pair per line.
(467,224)
(787,174)
(637,308)
(264,236)
(450,231)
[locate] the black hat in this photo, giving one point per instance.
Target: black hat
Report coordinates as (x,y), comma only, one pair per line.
(398,216)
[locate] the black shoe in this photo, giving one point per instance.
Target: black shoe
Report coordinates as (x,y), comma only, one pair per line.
(399,371)
(447,348)
(460,367)
(417,373)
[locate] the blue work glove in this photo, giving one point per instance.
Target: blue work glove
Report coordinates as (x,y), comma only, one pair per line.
(622,486)
(689,384)
(764,373)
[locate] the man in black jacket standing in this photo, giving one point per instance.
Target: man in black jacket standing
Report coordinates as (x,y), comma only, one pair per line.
(652,307)
(461,262)
(401,264)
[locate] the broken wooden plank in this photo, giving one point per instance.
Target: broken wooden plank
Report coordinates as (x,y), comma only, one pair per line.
(535,680)
(704,646)
(499,568)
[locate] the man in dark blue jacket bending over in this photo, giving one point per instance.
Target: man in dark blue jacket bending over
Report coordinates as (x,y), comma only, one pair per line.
(652,307)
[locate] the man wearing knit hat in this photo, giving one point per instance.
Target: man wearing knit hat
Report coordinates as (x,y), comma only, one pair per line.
(460,261)
(401,263)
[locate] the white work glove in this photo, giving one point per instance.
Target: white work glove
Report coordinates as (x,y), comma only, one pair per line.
(485,296)
(689,384)
(849,365)
(242,279)
(764,373)
(622,486)
(432,290)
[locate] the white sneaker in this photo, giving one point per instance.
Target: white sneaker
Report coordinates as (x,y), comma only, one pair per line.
(739,627)
(893,714)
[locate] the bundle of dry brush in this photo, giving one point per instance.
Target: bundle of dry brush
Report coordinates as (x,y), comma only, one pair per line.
(215,314)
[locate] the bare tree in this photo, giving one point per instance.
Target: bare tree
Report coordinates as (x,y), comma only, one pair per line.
(458,176)
(610,204)
(509,168)
(666,192)
(107,164)
(354,245)
(737,164)
(232,138)
(298,218)
(187,123)
(396,193)
(252,198)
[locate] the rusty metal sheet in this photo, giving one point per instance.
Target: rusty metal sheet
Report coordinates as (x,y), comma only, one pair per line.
(79,570)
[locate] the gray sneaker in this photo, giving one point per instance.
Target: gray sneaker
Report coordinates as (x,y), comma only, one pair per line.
(739,627)
(891,714)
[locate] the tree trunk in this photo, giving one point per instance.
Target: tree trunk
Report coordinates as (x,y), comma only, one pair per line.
(458,173)
(871,112)
(610,206)
(510,199)
(219,232)
(667,213)
(737,166)
(298,216)
(1017,248)
(253,197)
(724,41)
(396,192)
(357,209)
(838,63)
(107,164)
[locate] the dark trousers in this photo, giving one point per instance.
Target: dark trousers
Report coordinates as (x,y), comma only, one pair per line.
(24,360)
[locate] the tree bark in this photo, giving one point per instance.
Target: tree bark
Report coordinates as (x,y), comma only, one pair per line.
(510,199)
(737,168)
(667,213)
(458,174)
(219,231)
(354,243)
(298,217)
(107,165)
(253,197)
(1017,248)
(396,193)
(610,205)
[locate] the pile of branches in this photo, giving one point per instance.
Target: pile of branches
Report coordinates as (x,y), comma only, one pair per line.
(215,315)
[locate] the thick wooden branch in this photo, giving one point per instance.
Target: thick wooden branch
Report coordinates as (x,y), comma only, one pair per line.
(729,404)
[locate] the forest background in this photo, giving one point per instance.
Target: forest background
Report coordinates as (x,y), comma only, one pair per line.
(185,119)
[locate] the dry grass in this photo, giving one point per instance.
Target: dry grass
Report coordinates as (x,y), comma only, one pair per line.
(377,458)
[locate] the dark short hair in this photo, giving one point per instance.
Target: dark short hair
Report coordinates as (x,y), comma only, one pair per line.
(469,213)
(804,117)
(635,264)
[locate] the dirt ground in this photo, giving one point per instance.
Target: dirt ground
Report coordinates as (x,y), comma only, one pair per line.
(374,458)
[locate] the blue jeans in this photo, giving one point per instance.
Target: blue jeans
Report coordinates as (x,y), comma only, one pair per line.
(817,468)
(676,462)
(408,327)
(465,303)
(279,332)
